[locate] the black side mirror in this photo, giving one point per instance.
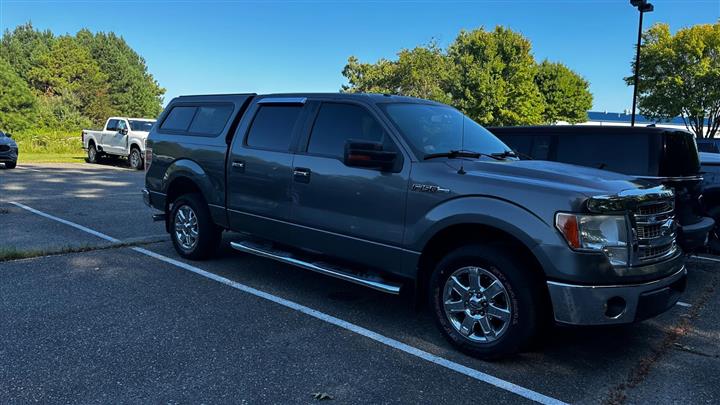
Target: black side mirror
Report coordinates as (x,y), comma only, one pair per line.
(124,131)
(368,154)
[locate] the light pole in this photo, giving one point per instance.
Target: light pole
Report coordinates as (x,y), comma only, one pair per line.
(644,7)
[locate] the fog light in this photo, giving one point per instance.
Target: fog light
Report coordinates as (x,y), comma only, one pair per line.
(614,307)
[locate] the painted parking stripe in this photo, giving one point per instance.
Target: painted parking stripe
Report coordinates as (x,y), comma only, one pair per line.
(395,344)
(683,304)
(707,259)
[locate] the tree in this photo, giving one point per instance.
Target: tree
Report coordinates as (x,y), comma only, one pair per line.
(567,95)
(132,90)
(680,76)
(489,75)
(23,47)
(420,72)
(17,103)
(68,71)
(493,78)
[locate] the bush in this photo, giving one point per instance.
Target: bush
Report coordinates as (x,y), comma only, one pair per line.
(49,141)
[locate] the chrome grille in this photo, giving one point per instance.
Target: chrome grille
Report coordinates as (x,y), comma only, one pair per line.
(655,230)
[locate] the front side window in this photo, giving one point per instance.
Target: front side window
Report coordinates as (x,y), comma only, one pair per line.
(273,126)
(121,125)
(441,129)
(336,123)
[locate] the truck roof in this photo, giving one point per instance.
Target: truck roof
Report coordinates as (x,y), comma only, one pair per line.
(130,118)
(372,97)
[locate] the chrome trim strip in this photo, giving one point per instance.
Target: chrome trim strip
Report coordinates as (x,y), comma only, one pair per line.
(390,288)
(677,178)
(283,100)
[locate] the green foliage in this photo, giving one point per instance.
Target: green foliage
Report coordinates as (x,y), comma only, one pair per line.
(566,94)
(52,87)
(680,75)
(489,75)
(17,103)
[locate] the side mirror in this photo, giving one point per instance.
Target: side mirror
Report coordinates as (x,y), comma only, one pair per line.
(8,135)
(368,154)
(124,131)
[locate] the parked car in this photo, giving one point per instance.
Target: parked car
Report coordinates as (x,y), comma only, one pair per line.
(401,193)
(665,156)
(121,136)
(708,145)
(8,151)
(710,167)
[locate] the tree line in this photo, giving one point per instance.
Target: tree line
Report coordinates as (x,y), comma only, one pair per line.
(491,76)
(71,81)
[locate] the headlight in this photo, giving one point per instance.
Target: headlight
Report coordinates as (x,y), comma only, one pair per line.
(603,233)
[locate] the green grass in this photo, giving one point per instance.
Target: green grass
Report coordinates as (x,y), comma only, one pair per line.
(50,146)
(51,157)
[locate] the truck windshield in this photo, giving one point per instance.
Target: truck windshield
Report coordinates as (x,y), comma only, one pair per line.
(143,126)
(432,129)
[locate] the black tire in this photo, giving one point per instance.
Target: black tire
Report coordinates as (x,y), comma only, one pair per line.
(135,159)
(714,237)
(10,165)
(93,155)
(522,296)
(208,234)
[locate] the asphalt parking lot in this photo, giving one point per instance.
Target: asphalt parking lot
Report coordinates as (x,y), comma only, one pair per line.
(103,310)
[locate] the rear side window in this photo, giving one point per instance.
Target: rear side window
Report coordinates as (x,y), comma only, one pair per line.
(336,123)
(210,120)
(112,125)
(272,127)
(179,118)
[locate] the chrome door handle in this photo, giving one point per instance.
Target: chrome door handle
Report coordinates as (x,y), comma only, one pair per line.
(303,173)
(238,165)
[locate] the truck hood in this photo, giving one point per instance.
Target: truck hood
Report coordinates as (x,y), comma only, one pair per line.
(553,175)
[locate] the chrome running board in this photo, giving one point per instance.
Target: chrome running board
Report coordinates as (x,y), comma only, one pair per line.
(285,257)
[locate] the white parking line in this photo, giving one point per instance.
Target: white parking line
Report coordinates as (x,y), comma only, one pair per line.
(708,259)
(441,361)
(683,304)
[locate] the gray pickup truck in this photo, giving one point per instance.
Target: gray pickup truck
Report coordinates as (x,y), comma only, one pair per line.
(397,193)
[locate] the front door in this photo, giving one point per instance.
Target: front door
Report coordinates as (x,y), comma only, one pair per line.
(259,171)
(353,213)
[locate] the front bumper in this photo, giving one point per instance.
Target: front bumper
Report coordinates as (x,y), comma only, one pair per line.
(695,236)
(9,156)
(616,304)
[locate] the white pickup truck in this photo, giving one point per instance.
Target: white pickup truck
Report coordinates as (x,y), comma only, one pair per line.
(121,137)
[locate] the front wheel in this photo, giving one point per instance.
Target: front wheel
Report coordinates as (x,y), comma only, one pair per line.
(135,159)
(485,302)
(10,165)
(194,235)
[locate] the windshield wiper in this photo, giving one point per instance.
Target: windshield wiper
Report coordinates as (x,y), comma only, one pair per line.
(454,154)
(506,154)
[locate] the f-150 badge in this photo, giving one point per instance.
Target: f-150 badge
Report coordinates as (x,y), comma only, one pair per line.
(426,188)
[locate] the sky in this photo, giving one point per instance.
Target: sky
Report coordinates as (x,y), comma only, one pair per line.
(238,46)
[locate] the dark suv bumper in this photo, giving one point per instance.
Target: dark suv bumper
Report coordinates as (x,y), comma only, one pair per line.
(617,304)
(695,236)
(9,156)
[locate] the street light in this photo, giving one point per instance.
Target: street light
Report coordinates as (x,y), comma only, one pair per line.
(644,7)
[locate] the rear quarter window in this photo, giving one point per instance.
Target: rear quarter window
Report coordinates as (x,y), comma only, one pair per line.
(207,120)
(272,127)
(618,153)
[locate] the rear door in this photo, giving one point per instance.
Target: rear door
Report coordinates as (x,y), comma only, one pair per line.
(260,167)
(107,134)
(353,213)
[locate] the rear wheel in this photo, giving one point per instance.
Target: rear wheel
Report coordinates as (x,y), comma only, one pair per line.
(485,302)
(92,154)
(135,159)
(193,233)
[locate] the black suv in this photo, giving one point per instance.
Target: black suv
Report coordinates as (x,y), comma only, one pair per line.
(651,154)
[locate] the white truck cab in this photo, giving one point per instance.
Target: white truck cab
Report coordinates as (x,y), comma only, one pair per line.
(121,136)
